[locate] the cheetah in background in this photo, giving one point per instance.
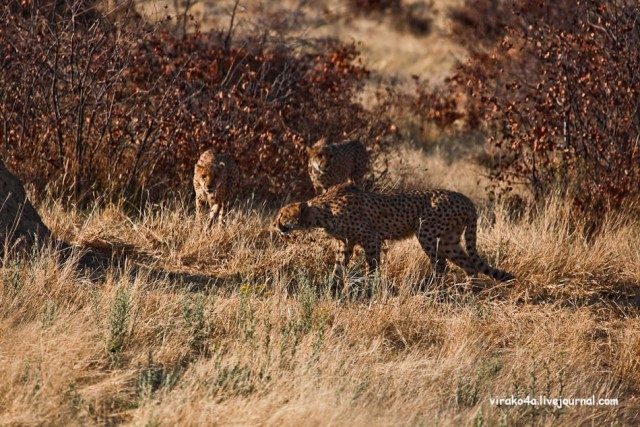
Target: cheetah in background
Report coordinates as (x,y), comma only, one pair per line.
(438,218)
(332,164)
(215,180)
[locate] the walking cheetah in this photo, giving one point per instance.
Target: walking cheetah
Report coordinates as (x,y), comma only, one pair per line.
(332,164)
(437,218)
(215,181)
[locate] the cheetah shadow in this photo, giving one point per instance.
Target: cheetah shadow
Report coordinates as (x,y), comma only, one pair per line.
(98,265)
(622,299)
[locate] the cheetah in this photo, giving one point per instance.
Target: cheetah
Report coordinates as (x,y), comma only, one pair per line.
(215,181)
(331,164)
(353,216)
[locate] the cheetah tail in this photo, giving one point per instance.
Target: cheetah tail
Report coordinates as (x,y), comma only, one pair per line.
(470,236)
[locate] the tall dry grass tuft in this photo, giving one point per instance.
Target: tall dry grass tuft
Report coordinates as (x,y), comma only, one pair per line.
(236,326)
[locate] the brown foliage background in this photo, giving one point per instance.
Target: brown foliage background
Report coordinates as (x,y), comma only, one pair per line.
(556,86)
(92,105)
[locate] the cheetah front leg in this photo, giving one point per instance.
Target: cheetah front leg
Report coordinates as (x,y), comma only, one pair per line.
(214,214)
(201,205)
(221,212)
(343,255)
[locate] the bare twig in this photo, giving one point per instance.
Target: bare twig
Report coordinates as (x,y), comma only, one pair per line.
(227,39)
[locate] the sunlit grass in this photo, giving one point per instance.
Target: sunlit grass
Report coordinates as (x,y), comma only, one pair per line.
(245,331)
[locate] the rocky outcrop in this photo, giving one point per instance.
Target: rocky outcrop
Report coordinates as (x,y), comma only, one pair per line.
(20,224)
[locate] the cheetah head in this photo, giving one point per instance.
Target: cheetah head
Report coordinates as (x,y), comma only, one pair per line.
(293,217)
(209,178)
(320,156)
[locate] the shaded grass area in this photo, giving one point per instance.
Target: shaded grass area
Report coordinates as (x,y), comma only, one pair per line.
(235,326)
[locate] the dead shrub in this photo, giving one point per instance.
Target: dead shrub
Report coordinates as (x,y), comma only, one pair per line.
(92,107)
(555,85)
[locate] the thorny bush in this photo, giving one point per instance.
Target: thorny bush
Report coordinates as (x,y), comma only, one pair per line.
(557,87)
(94,106)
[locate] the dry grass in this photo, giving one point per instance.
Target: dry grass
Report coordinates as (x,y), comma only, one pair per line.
(386,49)
(235,326)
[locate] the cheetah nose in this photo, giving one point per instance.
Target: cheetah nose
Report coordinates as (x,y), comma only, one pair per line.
(283,229)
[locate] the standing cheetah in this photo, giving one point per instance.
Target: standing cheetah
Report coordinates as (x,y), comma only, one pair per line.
(332,164)
(437,218)
(215,181)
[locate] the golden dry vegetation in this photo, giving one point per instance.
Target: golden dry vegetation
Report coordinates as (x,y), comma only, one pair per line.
(236,326)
